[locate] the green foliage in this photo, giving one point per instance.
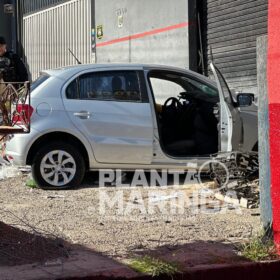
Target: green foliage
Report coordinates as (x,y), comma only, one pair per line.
(31,183)
(259,250)
(153,266)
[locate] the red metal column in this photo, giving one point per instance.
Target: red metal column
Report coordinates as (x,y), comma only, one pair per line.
(274,111)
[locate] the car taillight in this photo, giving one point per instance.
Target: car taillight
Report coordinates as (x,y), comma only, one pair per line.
(23,114)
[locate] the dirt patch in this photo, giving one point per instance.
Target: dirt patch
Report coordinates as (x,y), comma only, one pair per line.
(18,247)
(75,216)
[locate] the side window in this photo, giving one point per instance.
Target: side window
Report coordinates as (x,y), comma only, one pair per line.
(40,80)
(72,90)
(113,85)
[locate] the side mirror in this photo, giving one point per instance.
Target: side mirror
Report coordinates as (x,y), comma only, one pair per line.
(245,99)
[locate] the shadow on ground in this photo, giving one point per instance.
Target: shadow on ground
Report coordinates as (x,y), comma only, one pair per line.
(38,256)
(197,253)
(18,247)
(92,179)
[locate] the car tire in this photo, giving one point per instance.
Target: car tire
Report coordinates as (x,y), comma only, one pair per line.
(58,166)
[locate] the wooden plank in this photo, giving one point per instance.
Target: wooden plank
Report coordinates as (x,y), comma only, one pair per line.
(11,130)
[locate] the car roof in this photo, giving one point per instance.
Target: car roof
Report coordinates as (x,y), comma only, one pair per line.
(69,71)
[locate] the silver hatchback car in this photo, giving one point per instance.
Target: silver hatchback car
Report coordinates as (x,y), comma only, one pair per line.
(92,117)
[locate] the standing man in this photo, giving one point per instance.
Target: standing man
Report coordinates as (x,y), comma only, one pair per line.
(12,69)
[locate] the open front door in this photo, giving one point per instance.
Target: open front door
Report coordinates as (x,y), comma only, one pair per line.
(229,116)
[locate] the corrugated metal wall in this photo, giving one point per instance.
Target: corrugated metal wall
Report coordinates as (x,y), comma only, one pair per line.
(232,30)
(31,6)
(48,34)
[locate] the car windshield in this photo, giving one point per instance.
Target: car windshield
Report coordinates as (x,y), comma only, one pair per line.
(164,82)
(201,90)
(41,79)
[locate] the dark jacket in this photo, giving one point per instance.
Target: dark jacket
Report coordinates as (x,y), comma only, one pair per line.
(13,68)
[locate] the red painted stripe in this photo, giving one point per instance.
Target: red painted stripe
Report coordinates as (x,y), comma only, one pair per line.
(273,74)
(144,34)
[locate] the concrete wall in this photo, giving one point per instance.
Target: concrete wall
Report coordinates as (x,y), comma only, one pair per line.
(143,31)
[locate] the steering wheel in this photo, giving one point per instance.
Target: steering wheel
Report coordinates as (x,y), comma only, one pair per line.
(174,102)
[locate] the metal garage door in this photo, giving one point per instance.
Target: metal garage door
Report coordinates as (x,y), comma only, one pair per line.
(232,29)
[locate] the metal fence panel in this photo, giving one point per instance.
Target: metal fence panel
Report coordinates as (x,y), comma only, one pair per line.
(31,6)
(48,34)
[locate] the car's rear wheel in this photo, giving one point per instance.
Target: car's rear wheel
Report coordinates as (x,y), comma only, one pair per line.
(58,166)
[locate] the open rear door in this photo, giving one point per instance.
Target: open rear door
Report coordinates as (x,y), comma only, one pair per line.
(226,110)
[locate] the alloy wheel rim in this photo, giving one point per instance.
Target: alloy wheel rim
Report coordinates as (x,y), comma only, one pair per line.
(58,168)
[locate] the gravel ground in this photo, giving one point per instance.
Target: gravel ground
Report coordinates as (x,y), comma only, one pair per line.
(75,215)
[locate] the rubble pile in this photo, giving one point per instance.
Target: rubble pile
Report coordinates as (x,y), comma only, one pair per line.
(246,194)
(239,174)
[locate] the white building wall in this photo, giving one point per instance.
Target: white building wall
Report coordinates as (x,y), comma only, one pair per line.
(143,31)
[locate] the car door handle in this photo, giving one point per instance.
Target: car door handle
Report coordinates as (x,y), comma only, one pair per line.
(83,114)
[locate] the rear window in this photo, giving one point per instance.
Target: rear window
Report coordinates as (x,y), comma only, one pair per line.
(110,85)
(41,79)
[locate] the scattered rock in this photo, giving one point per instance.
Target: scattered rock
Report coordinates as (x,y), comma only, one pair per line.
(53,196)
(57,262)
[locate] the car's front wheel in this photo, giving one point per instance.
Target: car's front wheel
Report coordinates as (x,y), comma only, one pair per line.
(58,166)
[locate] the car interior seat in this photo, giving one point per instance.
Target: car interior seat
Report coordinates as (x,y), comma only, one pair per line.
(206,130)
(174,131)
(117,88)
(132,87)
